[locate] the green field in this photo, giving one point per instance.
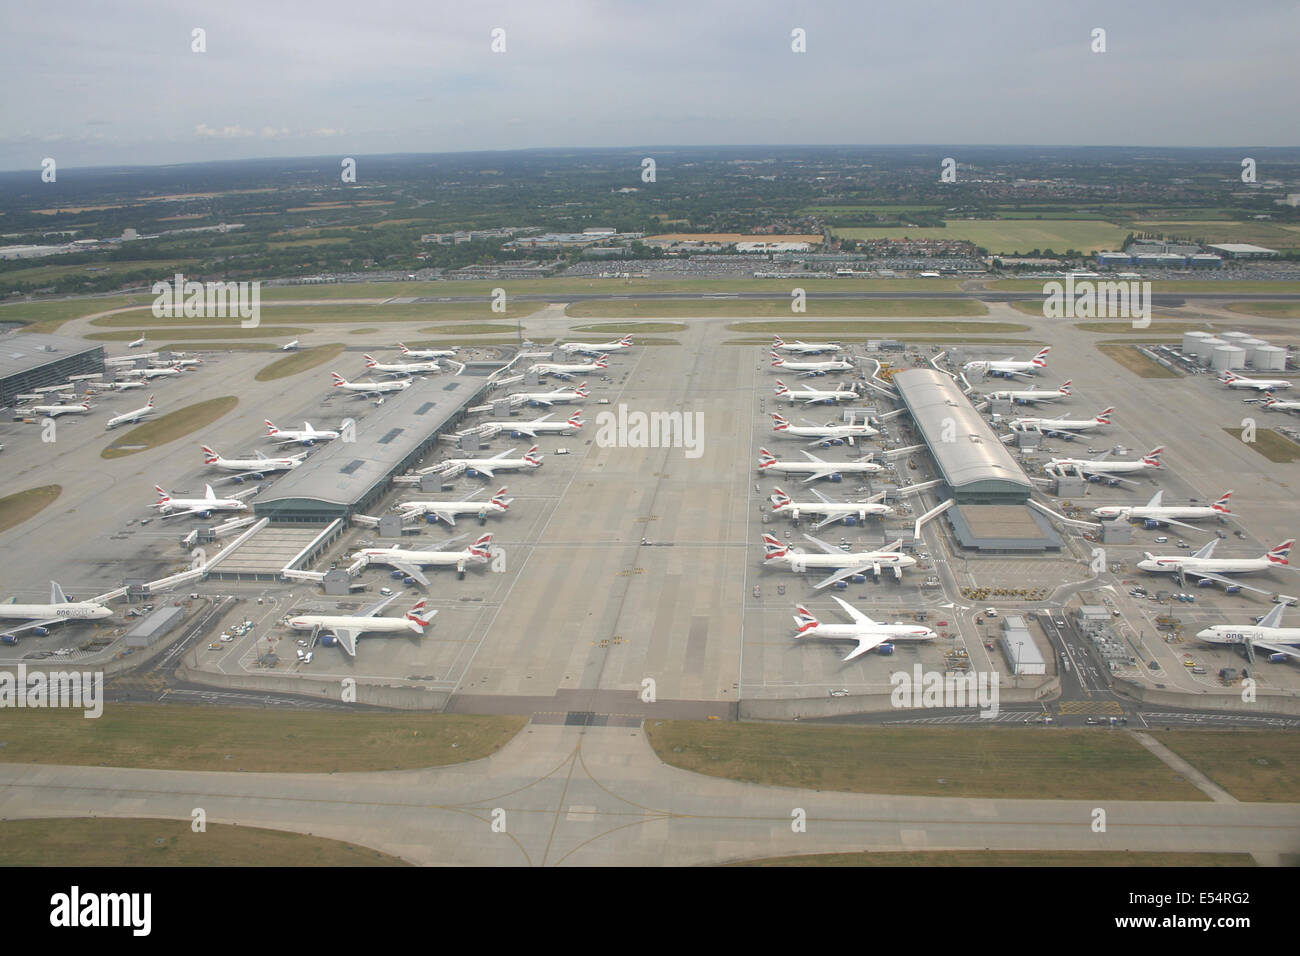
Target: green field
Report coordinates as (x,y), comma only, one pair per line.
(1168,287)
(1258,766)
(1272,445)
(690,308)
(1041,764)
(194,334)
(157,736)
(18,507)
(629,328)
(471,328)
(1005,236)
(1259,233)
(1272,310)
(299,361)
(48,315)
(165,268)
(1007,858)
(339,312)
(81,842)
(169,427)
(1133,360)
(802,328)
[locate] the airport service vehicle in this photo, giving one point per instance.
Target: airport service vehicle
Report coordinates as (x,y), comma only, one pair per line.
(1029,396)
(1153,511)
(804,348)
(811,396)
(138,343)
(426,353)
(488,467)
(250,467)
(821,434)
(1009,367)
(289,346)
(807,369)
(1103,469)
(61,608)
(867,633)
(176,507)
(596,348)
(54,411)
(400,368)
(411,562)
(305,435)
(565,371)
(849,564)
(346,629)
(131,417)
(815,467)
(1049,426)
(538,426)
(1205,566)
(369,388)
(448,510)
(578,394)
(1259,384)
(1274,405)
(1268,635)
(833,510)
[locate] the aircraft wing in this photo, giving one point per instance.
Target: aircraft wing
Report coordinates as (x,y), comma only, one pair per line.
(1273,647)
(347,638)
(484,470)
(1181,524)
(865,644)
(378,606)
(829,519)
(191,511)
(1229,582)
(31,625)
(1109,477)
(409,569)
(851,611)
(447,516)
(541,401)
(841,574)
(824,546)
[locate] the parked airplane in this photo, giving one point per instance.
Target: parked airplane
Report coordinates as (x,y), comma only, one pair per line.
(176,507)
(447,510)
(1167,514)
(811,368)
(123,386)
(251,467)
(1103,469)
(555,368)
(305,435)
(151,373)
(815,467)
(346,629)
(810,396)
(426,353)
(1259,384)
(136,344)
(849,564)
(540,426)
(131,416)
(596,348)
(54,411)
(550,398)
(833,510)
(488,467)
(1050,426)
(1030,395)
(401,368)
(867,633)
(822,434)
(410,562)
(369,388)
(1274,405)
(804,348)
(1205,566)
(60,608)
(1268,635)
(1008,367)
(290,347)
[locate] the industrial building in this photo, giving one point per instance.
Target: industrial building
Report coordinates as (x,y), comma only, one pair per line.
(1019,648)
(1243,250)
(29,361)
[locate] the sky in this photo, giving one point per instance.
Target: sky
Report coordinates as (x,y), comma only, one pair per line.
(118,83)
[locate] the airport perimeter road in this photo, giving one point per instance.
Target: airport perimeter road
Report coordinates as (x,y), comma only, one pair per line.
(599,796)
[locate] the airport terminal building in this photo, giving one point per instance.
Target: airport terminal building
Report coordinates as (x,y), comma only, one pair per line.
(29,361)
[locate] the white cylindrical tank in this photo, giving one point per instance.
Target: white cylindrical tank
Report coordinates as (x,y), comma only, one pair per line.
(1227,357)
(1270,358)
(1234,336)
(1250,345)
(1192,342)
(1206,349)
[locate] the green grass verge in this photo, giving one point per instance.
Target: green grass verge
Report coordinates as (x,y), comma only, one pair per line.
(148,842)
(1004,858)
(200,333)
(1133,360)
(630,328)
(1271,310)
(329,314)
(169,427)
(1005,236)
(299,361)
(157,736)
(46,316)
(701,308)
(1042,764)
(472,328)
(1169,286)
(218,347)
(1258,766)
(803,327)
(1272,445)
(18,507)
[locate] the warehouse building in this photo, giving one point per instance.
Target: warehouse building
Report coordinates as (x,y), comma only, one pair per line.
(29,361)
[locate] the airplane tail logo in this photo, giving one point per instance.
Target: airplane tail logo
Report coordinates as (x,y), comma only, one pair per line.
(338,379)
(602,362)
(575,420)
(1152,458)
(1279,554)
(1221,505)
(779,423)
(149,404)
(804,620)
(781,388)
(210,457)
(773,548)
(1065,387)
(499,500)
(532,458)
(777,341)
(1103,417)
(777,361)
(765,458)
(419,615)
(480,548)
(780,499)
(625,340)
(1040,358)
(581,390)
(272,430)
(405,350)
(163,497)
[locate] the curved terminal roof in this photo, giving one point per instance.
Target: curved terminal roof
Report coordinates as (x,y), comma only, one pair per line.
(970,456)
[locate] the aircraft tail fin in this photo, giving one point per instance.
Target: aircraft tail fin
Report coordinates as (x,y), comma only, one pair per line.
(420,615)
(1279,555)
(805,620)
(1221,505)
(772,548)
(56,594)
